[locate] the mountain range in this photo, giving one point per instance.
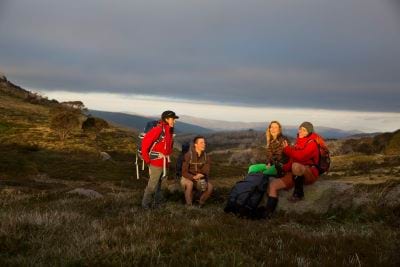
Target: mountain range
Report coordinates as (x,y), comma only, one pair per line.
(138,122)
(186,124)
(190,124)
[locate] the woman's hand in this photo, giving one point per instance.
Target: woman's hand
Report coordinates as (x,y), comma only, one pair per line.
(285,143)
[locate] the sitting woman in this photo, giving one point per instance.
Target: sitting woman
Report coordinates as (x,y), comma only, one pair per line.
(301,168)
(275,157)
(275,144)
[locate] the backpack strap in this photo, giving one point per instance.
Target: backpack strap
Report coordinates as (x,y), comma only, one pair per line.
(318,145)
(197,163)
(160,137)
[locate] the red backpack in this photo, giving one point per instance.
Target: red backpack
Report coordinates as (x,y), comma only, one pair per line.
(324,157)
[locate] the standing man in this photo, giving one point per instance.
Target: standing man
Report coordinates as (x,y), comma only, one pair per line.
(195,172)
(157,146)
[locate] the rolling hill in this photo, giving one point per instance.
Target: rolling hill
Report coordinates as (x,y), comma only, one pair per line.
(290,130)
(193,125)
(138,122)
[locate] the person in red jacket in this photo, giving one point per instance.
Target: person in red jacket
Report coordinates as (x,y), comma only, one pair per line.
(301,168)
(304,158)
(155,153)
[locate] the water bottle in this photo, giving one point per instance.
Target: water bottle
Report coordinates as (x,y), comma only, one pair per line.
(203,184)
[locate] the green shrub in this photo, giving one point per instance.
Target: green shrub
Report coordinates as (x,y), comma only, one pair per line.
(63,122)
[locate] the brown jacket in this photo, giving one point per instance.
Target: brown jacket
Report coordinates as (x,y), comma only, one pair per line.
(275,150)
(194,164)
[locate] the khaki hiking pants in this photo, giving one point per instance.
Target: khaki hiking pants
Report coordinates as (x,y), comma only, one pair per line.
(153,188)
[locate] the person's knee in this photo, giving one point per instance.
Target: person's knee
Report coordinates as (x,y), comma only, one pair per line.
(273,185)
(151,187)
(297,169)
(276,185)
(188,185)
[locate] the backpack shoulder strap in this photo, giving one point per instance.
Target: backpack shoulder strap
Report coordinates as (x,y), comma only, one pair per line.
(318,148)
(162,134)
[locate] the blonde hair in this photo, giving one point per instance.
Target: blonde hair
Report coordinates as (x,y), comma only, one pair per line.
(268,134)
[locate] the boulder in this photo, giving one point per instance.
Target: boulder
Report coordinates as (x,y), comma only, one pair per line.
(105,156)
(86,192)
(332,194)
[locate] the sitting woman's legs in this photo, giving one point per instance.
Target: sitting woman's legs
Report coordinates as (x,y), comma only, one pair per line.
(298,169)
(303,170)
(275,186)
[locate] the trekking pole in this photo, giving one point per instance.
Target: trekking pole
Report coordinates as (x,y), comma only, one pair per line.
(137,168)
(164,166)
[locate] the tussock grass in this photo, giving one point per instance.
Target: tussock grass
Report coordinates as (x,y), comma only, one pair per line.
(53,228)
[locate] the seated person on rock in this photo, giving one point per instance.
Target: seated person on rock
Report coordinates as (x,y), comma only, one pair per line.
(275,156)
(195,172)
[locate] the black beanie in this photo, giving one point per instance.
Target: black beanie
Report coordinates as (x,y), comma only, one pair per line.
(308,126)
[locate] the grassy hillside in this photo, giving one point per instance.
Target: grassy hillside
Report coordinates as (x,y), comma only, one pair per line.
(42,224)
(28,146)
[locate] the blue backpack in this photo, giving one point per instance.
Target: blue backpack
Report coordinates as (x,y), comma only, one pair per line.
(247,194)
(178,168)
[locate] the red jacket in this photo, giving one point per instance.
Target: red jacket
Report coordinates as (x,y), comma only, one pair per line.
(305,152)
(164,146)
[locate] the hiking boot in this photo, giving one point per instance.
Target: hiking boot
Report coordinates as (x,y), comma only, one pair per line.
(269,209)
(298,192)
(198,203)
(146,207)
(295,198)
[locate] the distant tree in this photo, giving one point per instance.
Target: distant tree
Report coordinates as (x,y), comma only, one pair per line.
(63,122)
(78,105)
(35,98)
(93,126)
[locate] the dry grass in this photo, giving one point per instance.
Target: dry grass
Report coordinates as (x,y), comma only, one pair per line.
(49,227)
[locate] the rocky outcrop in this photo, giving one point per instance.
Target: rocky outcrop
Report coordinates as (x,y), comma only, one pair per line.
(332,194)
(3,77)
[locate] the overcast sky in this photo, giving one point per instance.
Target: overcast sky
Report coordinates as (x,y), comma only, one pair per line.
(341,55)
